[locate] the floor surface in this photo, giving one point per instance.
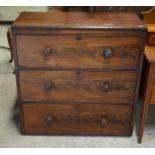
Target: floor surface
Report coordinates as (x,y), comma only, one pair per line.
(10,135)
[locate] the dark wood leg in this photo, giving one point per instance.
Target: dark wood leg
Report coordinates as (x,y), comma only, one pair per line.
(147,94)
(10,45)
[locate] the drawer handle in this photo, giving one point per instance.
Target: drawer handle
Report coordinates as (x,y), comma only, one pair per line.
(103,121)
(107,53)
(47,51)
(49,120)
(49,85)
(106,86)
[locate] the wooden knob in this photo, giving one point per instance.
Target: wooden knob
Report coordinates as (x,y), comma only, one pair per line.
(103,121)
(49,85)
(49,120)
(47,51)
(107,53)
(106,86)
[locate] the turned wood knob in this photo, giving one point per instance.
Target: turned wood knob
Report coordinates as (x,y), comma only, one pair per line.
(107,53)
(103,121)
(49,85)
(49,120)
(106,86)
(47,51)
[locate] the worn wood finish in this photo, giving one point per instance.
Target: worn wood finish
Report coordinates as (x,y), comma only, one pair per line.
(80,67)
(69,51)
(76,119)
(78,86)
(78,31)
(147,92)
(148,88)
(152,99)
(81,20)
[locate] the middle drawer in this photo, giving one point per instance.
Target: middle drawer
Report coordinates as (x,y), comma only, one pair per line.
(78,86)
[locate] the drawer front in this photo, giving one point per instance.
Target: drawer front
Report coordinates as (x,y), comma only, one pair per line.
(79,86)
(69,51)
(76,119)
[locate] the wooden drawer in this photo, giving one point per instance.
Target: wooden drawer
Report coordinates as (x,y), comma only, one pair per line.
(79,86)
(76,119)
(71,51)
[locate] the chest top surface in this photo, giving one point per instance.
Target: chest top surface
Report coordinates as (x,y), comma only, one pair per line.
(78,20)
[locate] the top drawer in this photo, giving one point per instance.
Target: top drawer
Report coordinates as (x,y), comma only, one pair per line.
(72,51)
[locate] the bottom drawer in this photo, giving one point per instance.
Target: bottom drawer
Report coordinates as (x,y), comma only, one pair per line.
(39,118)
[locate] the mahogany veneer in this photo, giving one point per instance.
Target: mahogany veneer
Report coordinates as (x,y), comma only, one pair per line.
(78,73)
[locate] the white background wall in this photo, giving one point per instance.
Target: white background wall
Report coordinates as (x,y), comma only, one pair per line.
(10,13)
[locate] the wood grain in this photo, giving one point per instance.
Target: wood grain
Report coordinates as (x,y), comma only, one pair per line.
(147,94)
(78,86)
(77,51)
(76,119)
(67,83)
(152,39)
(70,20)
(152,99)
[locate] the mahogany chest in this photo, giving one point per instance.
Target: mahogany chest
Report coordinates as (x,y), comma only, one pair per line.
(78,73)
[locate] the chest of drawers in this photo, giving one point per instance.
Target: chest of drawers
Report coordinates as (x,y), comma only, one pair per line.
(78,73)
